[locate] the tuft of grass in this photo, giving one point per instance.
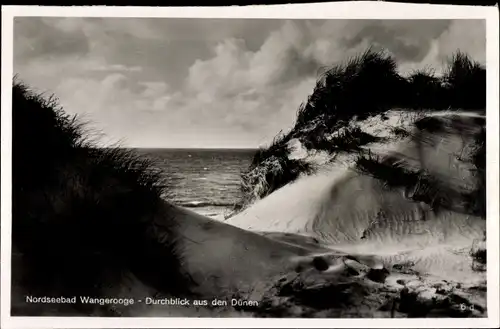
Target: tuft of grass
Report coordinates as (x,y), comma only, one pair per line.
(271,169)
(278,148)
(337,92)
(478,254)
(479,258)
(370,84)
(270,175)
(425,90)
(345,140)
(82,215)
(464,83)
(400,132)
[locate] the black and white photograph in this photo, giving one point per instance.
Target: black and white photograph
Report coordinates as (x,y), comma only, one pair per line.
(197,167)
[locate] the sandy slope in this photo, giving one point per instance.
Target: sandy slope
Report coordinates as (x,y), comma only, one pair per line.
(341,209)
(299,276)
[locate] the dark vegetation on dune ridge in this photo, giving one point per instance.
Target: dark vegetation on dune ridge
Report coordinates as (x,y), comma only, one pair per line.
(346,140)
(364,86)
(276,170)
(478,254)
(82,214)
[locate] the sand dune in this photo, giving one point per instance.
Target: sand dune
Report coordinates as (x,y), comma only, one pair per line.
(343,209)
(329,233)
(338,243)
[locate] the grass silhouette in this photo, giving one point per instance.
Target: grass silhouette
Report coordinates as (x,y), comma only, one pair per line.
(345,140)
(82,214)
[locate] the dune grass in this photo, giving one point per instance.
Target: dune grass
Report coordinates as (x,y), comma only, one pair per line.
(79,209)
(365,86)
(271,168)
(478,259)
(478,254)
(278,147)
(370,84)
(268,176)
(400,132)
(345,140)
(337,92)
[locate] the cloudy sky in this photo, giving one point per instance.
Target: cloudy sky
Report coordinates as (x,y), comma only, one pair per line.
(164,82)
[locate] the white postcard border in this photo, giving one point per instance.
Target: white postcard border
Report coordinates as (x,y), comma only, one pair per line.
(345,10)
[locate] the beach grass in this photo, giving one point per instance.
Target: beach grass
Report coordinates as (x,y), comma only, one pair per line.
(82,214)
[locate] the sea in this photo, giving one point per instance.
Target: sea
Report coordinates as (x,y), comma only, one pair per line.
(205,180)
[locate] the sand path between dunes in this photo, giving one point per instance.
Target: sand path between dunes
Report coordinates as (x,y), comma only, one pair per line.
(227,261)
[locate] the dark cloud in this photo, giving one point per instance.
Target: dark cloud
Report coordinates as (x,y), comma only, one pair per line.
(210,31)
(211,82)
(35,38)
(406,40)
(164,48)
